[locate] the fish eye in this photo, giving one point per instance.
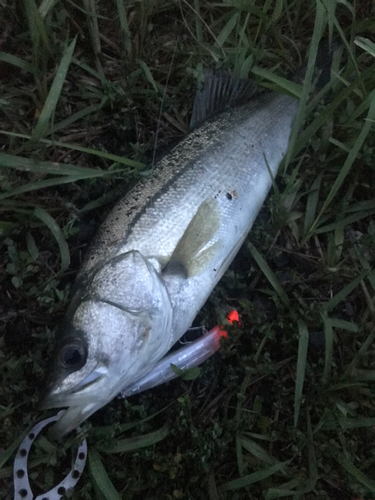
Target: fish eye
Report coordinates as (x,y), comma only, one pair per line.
(73,354)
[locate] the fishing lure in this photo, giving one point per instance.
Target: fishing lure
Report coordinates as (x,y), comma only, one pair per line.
(189,356)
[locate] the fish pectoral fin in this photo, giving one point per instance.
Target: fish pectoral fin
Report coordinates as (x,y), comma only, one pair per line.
(193,252)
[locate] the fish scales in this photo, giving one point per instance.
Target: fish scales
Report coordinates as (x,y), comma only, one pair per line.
(182,178)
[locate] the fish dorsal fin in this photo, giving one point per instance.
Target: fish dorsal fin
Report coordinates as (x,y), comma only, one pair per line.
(190,255)
(220,91)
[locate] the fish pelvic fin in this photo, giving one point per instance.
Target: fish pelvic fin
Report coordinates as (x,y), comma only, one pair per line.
(221,90)
(193,252)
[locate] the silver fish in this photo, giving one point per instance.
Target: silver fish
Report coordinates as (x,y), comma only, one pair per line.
(164,247)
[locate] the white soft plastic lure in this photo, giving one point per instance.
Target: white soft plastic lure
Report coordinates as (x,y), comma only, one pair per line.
(189,356)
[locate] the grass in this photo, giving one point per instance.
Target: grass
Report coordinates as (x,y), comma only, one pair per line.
(286,409)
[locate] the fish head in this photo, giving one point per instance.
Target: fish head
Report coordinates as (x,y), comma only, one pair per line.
(120,326)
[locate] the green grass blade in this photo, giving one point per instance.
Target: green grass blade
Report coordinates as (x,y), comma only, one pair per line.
(32,165)
(356,473)
(45,167)
(361,353)
(89,70)
(198,22)
(16,61)
(149,76)
(344,222)
(258,451)
(101,154)
(31,246)
(46,6)
(305,135)
(255,477)
(45,117)
(247,7)
(328,346)
(344,325)
(7,453)
(78,116)
(35,186)
(320,22)
(38,32)
(281,83)
(239,456)
(348,424)
(312,203)
(302,487)
(342,294)
(349,161)
(92,22)
(303,343)
(52,225)
(227,30)
(99,476)
(127,41)
(137,442)
(284,491)
(364,375)
(365,44)
(268,274)
(313,466)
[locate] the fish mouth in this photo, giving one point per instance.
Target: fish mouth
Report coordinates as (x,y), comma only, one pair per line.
(80,402)
(87,396)
(71,418)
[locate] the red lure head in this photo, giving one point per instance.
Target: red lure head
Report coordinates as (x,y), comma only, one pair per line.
(231,318)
